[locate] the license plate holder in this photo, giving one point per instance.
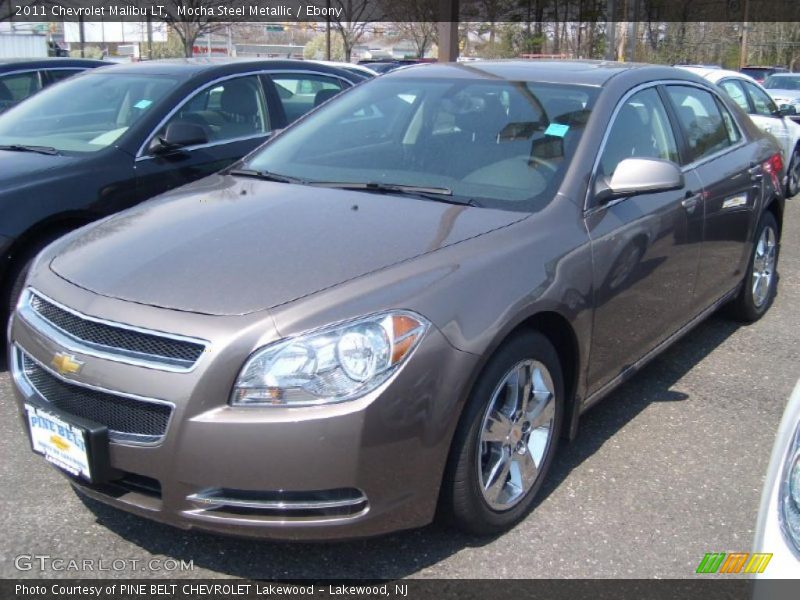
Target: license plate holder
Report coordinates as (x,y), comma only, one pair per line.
(77,446)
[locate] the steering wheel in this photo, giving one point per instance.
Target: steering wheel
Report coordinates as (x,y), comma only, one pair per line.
(547,164)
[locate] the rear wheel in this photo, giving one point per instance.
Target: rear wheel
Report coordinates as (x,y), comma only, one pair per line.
(507,437)
(760,282)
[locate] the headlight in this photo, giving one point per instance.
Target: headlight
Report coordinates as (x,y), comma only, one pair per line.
(790,493)
(333,364)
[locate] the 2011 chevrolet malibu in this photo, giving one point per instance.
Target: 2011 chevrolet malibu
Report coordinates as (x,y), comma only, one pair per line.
(400,303)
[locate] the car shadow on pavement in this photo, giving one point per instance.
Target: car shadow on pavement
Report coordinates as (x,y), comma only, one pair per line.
(405,553)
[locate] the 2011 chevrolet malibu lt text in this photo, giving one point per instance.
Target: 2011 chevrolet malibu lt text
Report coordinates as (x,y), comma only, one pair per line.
(397,306)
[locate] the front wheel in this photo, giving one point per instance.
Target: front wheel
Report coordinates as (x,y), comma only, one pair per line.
(507,437)
(793,174)
(760,281)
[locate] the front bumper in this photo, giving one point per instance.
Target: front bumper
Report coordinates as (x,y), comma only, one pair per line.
(353,469)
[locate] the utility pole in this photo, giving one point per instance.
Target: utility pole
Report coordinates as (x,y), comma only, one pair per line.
(328,30)
(149,38)
(634,32)
(448,30)
(611,31)
(82,36)
(745,27)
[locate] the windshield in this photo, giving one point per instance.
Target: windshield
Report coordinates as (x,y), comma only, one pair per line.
(496,143)
(783,82)
(84,113)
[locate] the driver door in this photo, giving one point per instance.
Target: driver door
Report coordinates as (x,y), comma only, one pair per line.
(232,113)
(645,248)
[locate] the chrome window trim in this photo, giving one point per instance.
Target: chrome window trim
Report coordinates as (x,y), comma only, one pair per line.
(128,357)
(137,439)
(40,69)
(587,207)
(142,155)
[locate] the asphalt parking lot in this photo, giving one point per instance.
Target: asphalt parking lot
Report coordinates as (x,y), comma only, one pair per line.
(668,468)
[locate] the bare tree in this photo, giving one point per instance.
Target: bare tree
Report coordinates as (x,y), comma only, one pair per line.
(197,19)
(354,17)
(415,20)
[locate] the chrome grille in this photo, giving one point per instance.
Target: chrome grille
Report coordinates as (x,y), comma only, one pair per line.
(127,418)
(116,338)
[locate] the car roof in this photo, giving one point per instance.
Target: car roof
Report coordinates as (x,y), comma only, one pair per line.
(715,75)
(780,75)
(186,68)
(581,72)
(14,64)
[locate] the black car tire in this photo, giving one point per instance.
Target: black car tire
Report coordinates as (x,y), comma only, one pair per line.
(744,307)
(20,267)
(793,174)
(462,501)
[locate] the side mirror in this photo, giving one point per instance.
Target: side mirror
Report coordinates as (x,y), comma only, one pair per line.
(635,176)
(177,136)
(787,110)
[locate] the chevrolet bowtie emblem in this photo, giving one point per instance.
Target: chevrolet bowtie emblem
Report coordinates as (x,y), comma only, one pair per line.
(66,364)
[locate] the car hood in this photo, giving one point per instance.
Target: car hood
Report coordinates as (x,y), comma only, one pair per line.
(231,246)
(18,168)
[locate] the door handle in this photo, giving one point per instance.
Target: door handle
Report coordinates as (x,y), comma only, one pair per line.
(690,202)
(756,173)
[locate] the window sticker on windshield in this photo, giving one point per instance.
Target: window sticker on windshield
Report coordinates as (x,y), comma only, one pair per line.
(143,104)
(556,129)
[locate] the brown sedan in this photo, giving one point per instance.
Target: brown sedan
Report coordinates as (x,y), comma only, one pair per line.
(400,303)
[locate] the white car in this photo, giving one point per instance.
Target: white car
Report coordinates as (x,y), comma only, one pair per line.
(756,102)
(778,528)
(785,90)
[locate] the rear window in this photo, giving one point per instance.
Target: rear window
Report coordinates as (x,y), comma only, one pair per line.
(783,82)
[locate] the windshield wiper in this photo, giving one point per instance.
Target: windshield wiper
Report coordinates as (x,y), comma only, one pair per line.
(438,194)
(266,176)
(24,148)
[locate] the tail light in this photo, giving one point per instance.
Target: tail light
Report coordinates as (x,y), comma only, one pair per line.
(773,167)
(774,163)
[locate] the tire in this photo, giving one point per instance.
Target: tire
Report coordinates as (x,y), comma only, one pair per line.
(469,500)
(793,174)
(754,300)
(19,270)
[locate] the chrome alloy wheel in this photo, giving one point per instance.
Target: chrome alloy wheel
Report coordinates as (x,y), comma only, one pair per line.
(763,266)
(516,432)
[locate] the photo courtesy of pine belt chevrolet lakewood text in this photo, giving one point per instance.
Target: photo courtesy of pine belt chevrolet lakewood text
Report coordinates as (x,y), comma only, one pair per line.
(397,306)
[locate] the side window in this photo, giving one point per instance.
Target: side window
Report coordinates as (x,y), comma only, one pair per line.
(641,129)
(735,90)
(300,92)
(57,75)
(231,109)
(701,121)
(762,103)
(730,123)
(18,86)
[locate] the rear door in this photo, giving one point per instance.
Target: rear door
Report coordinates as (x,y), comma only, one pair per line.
(765,114)
(645,248)
(234,114)
(715,148)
